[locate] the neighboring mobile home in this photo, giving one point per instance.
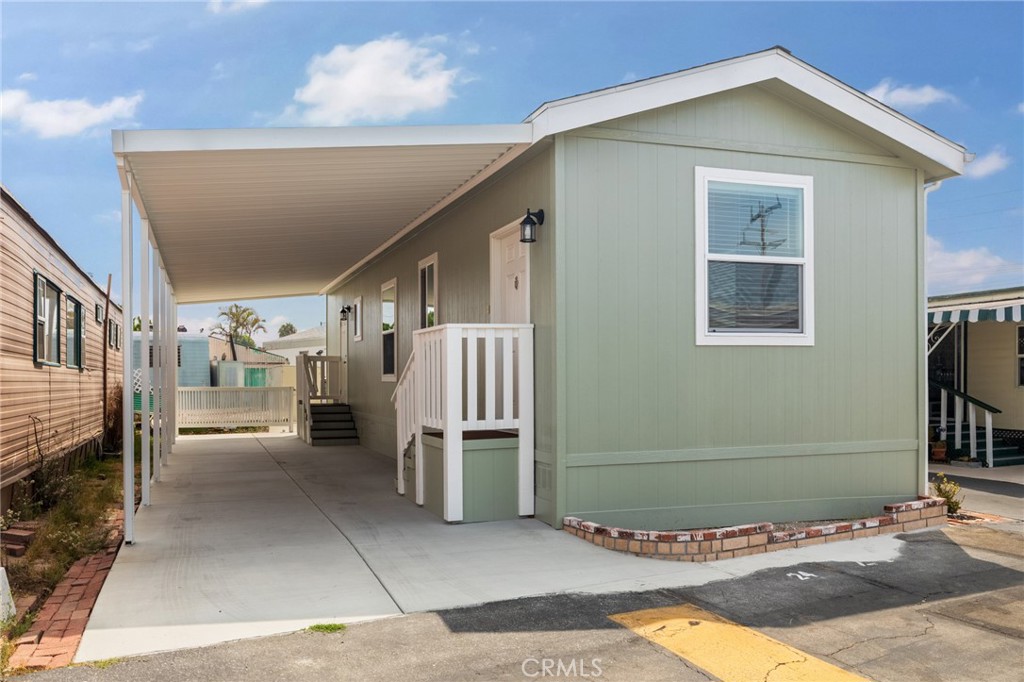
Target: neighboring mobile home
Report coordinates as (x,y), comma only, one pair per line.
(55,342)
(720,320)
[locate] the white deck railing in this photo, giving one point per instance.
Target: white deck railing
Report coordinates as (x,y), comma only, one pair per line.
(318,379)
(492,367)
(230,407)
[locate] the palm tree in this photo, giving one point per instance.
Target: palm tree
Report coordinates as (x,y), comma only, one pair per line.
(239,323)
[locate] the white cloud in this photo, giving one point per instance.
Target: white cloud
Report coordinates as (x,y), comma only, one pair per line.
(989,164)
(964,270)
(194,324)
(141,45)
(1020,108)
(910,97)
(64,117)
(383,80)
(233,6)
(219,72)
(109,217)
(27,76)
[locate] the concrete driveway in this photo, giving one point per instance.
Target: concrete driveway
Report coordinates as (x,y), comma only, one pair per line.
(260,534)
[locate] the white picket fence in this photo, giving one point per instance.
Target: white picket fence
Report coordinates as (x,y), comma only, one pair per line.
(233,407)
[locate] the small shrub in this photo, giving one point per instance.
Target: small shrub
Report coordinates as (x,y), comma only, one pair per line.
(948,489)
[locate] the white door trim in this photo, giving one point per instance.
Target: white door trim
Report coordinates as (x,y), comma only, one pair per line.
(496,237)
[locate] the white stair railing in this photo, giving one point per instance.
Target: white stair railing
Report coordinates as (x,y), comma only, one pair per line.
(318,379)
(467,377)
(960,400)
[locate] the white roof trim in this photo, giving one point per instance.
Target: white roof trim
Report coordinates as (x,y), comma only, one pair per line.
(241,139)
(632,98)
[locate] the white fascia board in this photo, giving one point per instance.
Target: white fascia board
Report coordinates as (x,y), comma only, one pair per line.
(247,139)
(604,105)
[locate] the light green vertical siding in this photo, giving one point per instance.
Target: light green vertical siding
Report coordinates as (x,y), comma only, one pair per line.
(461,237)
(649,413)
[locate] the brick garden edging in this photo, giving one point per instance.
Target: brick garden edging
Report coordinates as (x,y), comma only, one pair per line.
(755,538)
(57,629)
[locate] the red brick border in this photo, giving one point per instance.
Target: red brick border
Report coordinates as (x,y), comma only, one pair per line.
(57,630)
(755,538)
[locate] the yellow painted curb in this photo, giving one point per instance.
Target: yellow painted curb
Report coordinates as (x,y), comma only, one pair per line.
(727,650)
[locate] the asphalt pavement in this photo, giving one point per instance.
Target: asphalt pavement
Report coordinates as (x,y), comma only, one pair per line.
(948,606)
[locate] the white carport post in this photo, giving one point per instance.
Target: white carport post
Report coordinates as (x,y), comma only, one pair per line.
(166,385)
(127,387)
(144,356)
(172,362)
(158,326)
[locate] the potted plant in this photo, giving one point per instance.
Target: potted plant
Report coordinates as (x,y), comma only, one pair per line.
(939,450)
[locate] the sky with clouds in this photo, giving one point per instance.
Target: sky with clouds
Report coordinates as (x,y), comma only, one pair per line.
(71,72)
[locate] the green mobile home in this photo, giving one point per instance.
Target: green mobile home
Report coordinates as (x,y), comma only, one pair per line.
(719,318)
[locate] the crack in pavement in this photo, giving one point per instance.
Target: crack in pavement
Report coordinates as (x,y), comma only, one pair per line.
(924,632)
(802,659)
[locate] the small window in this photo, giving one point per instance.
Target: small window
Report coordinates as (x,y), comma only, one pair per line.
(389,324)
(99,313)
(47,324)
(1020,356)
(357,319)
(428,292)
(754,267)
(74,333)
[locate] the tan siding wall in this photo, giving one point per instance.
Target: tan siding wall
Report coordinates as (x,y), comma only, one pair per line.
(992,371)
(43,407)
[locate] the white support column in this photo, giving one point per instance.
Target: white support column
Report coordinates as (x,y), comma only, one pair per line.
(157,367)
(127,388)
(943,420)
(526,428)
(958,427)
(419,392)
(144,363)
(989,456)
(451,389)
(973,425)
(168,377)
(172,361)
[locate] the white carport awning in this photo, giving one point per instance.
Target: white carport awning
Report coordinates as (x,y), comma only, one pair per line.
(284,212)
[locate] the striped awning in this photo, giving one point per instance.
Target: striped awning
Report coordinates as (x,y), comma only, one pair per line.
(999,313)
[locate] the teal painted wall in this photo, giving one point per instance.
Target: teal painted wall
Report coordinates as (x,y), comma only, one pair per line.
(461,237)
(660,432)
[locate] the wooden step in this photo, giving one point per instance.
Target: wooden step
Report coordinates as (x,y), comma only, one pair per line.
(330,409)
(18,536)
(320,433)
(13,550)
(335,441)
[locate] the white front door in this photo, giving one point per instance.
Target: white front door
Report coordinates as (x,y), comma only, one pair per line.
(513,305)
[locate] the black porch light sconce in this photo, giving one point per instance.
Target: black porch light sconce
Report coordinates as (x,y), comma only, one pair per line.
(343,313)
(528,228)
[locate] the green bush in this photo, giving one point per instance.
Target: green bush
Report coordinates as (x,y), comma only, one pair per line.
(948,489)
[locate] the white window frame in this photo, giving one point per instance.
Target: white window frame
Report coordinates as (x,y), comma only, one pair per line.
(390,378)
(704,337)
(42,285)
(357,319)
(74,360)
(423,264)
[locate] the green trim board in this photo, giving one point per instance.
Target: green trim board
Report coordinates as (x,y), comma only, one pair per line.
(752,452)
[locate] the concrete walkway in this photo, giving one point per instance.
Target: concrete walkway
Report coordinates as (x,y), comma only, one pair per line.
(261,534)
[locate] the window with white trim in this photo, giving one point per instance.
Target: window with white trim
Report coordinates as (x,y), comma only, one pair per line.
(47,324)
(389,329)
(357,319)
(754,266)
(74,331)
(428,291)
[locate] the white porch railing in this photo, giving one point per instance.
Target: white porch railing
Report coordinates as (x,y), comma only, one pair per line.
(960,400)
(318,379)
(492,367)
(234,407)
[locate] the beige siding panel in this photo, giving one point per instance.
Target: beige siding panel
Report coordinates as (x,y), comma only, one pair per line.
(992,371)
(52,409)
